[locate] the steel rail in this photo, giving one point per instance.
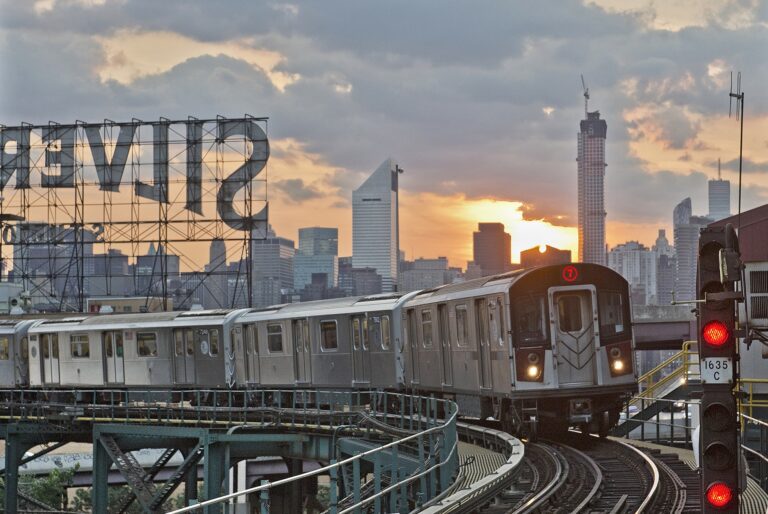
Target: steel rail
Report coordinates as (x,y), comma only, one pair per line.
(561,474)
(654,472)
(598,480)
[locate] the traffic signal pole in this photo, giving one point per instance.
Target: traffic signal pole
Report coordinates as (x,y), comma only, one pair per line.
(719,446)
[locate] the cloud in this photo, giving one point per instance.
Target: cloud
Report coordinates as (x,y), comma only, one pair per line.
(296,190)
(481,103)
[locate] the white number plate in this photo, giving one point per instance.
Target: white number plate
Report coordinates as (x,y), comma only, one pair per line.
(717,370)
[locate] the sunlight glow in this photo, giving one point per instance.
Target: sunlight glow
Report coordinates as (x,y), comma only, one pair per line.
(525,233)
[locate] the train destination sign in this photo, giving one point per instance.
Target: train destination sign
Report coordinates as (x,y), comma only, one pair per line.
(144,158)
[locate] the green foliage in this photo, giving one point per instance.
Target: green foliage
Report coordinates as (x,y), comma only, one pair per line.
(82,500)
(51,489)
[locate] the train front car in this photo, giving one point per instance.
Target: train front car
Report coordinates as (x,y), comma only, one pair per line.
(573,349)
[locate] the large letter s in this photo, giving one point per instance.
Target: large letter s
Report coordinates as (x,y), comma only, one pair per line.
(242,175)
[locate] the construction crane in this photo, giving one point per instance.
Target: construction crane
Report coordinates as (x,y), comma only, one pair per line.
(586,96)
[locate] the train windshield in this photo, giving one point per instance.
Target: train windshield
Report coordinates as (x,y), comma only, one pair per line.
(611,307)
(530,320)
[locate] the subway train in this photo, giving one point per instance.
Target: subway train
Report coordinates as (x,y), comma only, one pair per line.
(542,348)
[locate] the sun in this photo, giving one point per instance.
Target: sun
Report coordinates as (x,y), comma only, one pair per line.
(525,234)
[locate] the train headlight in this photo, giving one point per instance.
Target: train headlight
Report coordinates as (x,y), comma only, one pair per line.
(619,358)
(529,364)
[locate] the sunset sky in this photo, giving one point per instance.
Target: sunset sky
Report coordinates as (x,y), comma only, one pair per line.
(479,102)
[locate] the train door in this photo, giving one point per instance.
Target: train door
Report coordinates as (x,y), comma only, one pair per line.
(414,347)
(483,343)
(360,350)
(113,357)
(184,355)
(445,344)
(49,351)
(22,366)
(301,349)
(574,333)
(251,343)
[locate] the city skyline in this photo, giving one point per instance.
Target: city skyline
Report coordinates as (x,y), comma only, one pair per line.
(339,103)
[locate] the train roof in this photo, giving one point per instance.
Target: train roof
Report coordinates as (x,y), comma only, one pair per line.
(138,320)
(502,282)
(478,286)
(335,306)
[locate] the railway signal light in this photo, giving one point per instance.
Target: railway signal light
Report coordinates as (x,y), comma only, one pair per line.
(719,448)
(719,495)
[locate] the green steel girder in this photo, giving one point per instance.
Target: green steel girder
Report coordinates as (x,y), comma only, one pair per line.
(19,438)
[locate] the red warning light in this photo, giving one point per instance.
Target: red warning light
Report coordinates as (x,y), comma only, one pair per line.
(715,333)
(719,494)
(570,273)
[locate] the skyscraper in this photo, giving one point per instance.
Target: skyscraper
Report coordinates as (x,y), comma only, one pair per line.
(215,287)
(272,269)
(591,165)
(666,265)
(719,197)
(375,224)
(319,241)
(318,254)
(687,228)
(637,264)
(492,248)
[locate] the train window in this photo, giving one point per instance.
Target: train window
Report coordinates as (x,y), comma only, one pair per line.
(426,328)
(569,313)
(275,338)
(118,344)
(146,344)
(253,339)
(375,332)
(530,320)
(365,333)
(189,339)
(5,349)
(214,348)
(178,342)
(462,326)
(611,311)
(499,321)
(386,341)
(329,338)
(108,344)
(79,346)
(44,348)
(298,335)
(55,346)
(356,333)
(24,349)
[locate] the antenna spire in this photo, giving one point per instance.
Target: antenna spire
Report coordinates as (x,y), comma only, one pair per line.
(586,96)
(719,175)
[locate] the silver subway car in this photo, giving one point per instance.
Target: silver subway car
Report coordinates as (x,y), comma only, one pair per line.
(345,342)
(150,350)
(14,352)
(550,343)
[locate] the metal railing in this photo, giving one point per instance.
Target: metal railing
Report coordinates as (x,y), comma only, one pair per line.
(685,369)
(685,366)
(758,458)
(433,444)
(665,431)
